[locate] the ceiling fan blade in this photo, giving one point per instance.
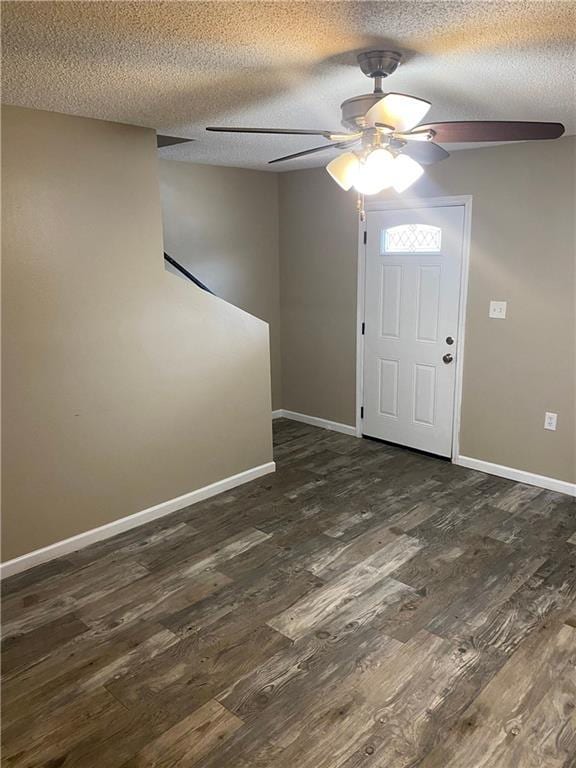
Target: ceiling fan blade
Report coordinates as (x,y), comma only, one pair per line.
(396,109)
(169,141)
(309,152)
(289,131)
(492,130)
(425,152)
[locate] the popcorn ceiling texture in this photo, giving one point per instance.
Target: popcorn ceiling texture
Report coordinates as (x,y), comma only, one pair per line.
(178,67)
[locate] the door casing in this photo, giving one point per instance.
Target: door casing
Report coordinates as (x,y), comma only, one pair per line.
(464,201)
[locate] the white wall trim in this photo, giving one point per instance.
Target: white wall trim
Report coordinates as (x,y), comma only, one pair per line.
(360,310)
(518,475)
(81,540)
(314,421)
(464,201)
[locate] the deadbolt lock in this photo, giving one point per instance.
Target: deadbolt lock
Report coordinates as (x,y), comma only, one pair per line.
(449,340)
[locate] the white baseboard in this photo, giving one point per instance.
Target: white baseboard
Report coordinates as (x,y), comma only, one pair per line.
(519,475)
(314,421)
(60,548)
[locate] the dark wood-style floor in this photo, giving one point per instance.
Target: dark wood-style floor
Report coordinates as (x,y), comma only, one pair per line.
(364,606)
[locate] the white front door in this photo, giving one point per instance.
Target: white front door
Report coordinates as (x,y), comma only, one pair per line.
(412,295)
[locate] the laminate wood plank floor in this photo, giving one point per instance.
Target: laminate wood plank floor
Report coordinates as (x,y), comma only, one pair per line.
(365,606)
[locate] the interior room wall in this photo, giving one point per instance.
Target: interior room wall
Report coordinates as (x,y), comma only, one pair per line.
(318,266)
(123,386)
(222,224)
(523,250)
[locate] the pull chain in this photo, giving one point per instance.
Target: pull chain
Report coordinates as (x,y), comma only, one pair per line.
(360,206)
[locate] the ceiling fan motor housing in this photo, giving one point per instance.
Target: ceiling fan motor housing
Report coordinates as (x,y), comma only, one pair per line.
(354,109)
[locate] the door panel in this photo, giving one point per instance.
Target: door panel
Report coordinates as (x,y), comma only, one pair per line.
(424,394)
(413,266)
(390,304)
(389,387)
(428,303)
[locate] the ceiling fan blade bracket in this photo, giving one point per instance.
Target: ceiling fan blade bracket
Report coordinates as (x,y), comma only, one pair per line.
(416,135)
(345,136)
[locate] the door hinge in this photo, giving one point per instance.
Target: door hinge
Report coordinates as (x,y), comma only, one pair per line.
(363,328)
(362,412)
(365,236)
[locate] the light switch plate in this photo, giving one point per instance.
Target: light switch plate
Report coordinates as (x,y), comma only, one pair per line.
(497,310)
(550,420)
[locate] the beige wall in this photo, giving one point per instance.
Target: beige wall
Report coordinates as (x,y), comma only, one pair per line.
(522,250)
(123,386)
(222,224)
(318,257)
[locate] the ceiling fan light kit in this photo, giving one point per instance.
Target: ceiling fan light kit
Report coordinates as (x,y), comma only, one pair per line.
(379,169)
(385,144)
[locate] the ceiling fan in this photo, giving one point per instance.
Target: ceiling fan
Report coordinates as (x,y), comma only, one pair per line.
(386,144)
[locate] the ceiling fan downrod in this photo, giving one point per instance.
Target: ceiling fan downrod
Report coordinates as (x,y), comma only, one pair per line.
(378,65)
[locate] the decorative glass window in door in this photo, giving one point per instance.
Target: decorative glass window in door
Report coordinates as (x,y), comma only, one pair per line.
(412,238)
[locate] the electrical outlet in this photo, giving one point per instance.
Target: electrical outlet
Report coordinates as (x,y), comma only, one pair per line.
(550,421)
(497,310)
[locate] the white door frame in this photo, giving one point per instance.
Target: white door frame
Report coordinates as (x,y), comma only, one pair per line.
(393,205)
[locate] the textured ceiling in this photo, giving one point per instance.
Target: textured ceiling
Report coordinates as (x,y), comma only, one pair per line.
(178,67)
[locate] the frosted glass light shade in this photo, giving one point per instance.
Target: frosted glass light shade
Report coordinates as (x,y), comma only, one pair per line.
(399,111)
(406,171)
(379,161)
(375,173)
(343,169)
